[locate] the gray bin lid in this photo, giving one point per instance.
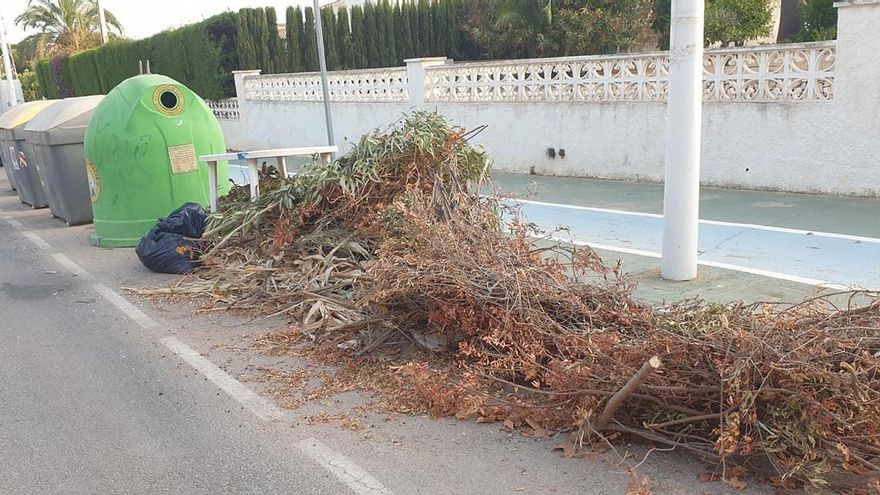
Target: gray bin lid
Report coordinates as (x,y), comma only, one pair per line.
(12,121)
(63,123)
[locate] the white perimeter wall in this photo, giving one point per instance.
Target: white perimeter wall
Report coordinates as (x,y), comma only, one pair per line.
(799,146)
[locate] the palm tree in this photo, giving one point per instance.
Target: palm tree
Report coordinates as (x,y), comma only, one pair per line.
(65,26)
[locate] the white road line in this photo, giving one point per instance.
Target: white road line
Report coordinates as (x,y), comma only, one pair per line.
(715,264)
(341,467)
(36,240)
(786,230)
(781,276)
(257,405)
(70,265)
(769,228)
(345,470)
(587,208)
(608,247)
(15,223)
(127,308)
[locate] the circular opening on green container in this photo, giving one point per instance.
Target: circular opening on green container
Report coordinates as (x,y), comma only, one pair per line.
(168,100)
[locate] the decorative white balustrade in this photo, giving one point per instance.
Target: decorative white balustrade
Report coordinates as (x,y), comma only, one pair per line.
(775,73)
(778,73)
(370,85)
(226,109)
(622,78)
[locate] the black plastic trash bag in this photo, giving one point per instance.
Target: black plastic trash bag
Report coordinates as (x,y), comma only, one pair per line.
(170,246)
(165,252)
(188,221)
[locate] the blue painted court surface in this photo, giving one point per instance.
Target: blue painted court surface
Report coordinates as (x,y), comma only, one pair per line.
(805,238)
(815,258)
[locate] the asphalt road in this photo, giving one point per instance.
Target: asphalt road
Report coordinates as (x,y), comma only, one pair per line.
(89,405)
(104,393)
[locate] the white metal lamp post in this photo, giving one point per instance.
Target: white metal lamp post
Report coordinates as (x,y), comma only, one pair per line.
(681,199)
(322,62)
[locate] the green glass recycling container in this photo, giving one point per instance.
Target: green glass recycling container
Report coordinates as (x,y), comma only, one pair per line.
(142,146)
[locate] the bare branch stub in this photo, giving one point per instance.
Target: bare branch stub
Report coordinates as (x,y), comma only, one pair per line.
(618,398)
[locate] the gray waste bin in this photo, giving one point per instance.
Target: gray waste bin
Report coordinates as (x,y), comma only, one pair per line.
(17,157)
(55,137)
(8,168)
(14,117)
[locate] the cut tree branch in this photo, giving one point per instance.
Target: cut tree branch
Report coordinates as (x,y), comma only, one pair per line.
(617,399)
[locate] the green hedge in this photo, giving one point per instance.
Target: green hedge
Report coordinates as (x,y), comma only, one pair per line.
(198,56)
(54,76)
(117,61)
(85,77)
(44,78)
(201,55)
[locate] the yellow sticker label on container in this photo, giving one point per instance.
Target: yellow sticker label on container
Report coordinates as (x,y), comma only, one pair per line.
(94,181)
(183,159)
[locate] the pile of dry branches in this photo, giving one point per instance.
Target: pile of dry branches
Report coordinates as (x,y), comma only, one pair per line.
(392,242)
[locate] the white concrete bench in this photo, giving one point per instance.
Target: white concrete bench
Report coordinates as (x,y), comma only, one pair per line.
(251,157)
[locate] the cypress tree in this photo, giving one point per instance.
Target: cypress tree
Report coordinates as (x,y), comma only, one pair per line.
(309,42)
(414,30)
(294,35)
(379,29)
(343,40)
(438,27)
(358,39)
(403,35)
(426,33)
(388,39)
(372,36)
(261,40)
(381,36)
(328,23)
(276,47)
(265,36)
(241,39)
(247,58)
(453,35)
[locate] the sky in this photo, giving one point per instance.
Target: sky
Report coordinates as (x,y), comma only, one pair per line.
(144,18)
